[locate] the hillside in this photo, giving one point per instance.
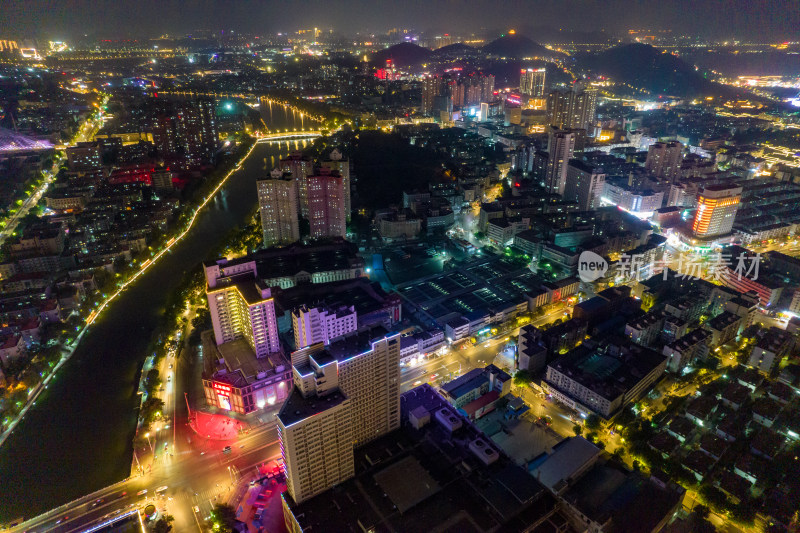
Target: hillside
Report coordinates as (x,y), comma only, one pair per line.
(518,47)
(403,55)
(645,67)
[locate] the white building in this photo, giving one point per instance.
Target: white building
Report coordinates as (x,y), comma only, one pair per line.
(346,394)
(314,325)
(242,307)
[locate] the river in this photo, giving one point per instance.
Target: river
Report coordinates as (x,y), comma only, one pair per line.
(77,438)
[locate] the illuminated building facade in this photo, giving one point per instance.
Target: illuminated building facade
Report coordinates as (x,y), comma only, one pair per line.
(326,204)
(242,307)
(313,325)
(560,149)
(572,109)
(185,128)
(277,203)
(716,210)
(345,395)
(531,82)
(584,184)
(300,167)
(337,162)
(664,160)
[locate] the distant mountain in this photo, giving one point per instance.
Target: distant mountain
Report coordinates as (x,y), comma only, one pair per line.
(455,50)
(403,55)
(518,47)
(645,67)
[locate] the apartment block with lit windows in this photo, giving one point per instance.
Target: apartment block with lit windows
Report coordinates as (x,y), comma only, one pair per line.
(242,307)
(345,395)
(299,166)
(716,210)
(326,204)
(277,203)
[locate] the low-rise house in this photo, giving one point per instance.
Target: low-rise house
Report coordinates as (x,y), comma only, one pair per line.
(664,443)
(765,411)
(749,467)
(735,396)
(767,444)
(681,428)
(713,446)
(698,464)
(701,409)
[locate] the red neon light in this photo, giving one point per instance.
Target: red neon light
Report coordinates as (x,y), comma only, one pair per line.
(221,387)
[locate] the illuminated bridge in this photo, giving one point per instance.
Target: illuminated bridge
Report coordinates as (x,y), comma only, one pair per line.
(282,136)
(11,141)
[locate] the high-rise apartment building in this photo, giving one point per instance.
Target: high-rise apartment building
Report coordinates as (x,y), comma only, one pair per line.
(572,109)
(664,160)
(242,307)
(277,203)
(716,210)
(447,91)
(584,184)
(313,325)
(531,82)
(560,149)
(337,162)
(326,204)
(300,167)
(345,395)
(184,128)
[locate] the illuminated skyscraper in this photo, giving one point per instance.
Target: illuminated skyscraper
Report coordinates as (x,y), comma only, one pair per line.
(241,306)
(184,128)
(300,167)
(346,394)
(277,202)
(560,149)
(337,162)
(326,204)
(664,160)
(716,210)
(531,82)
(584,184)
(572,109)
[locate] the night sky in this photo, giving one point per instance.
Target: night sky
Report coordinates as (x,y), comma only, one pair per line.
(770,20)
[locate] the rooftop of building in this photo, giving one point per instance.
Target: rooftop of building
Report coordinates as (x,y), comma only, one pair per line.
(631,502)
(236,364)
(567,458)
(472,380)
(429,479)
(365,296)
(297,408)
(289,260)
(609,371)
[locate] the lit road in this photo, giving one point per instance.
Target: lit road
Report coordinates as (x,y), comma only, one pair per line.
(199,474)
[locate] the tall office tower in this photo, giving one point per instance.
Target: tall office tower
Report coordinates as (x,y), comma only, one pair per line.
(312,325)
(716,210)
(277,203)
(572,109)
(664,160)
(531,82)
(186,128)
(300,167)
(337,162)
(242,306)
(345,395)
(584,184)
(326,204)
(560,149)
